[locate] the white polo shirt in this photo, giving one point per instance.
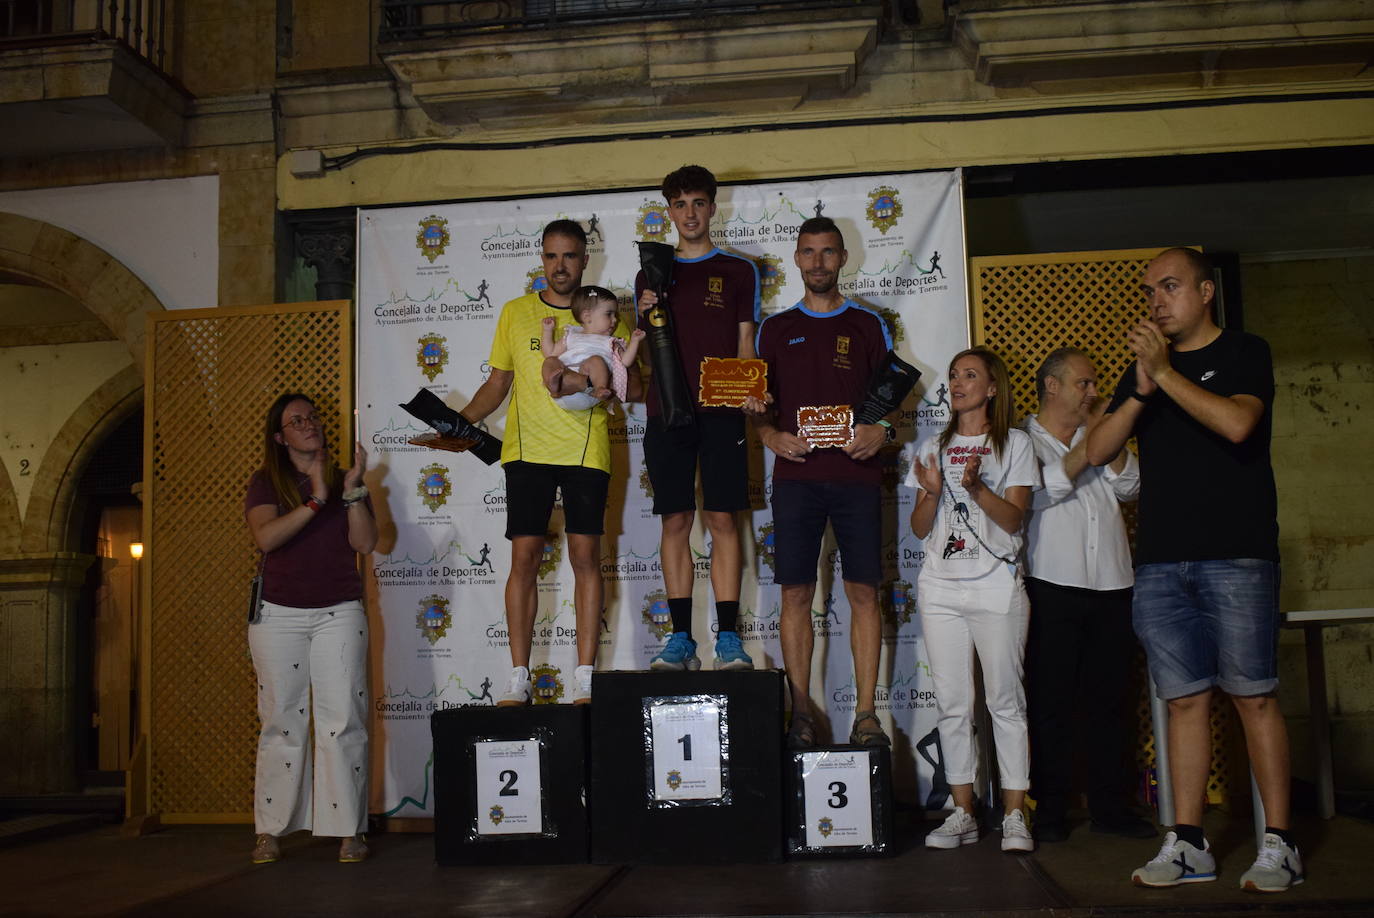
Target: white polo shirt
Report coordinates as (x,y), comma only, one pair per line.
(1076,536)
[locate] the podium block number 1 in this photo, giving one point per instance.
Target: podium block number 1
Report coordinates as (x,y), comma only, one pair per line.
(686,760)
(838,799)
(509,792)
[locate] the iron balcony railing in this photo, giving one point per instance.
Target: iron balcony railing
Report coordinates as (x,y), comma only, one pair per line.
(139,25)
(410,20)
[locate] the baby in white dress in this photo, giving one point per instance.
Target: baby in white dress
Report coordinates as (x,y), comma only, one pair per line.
(589,348)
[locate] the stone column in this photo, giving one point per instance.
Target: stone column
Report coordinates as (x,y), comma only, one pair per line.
(39,598)
(327,246)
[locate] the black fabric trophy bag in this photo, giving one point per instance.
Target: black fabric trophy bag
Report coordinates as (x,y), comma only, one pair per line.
(674,395)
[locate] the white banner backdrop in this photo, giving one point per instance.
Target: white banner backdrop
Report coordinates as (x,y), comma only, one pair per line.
(431,281)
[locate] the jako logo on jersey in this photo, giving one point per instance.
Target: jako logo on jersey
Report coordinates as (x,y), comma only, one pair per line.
(797,340)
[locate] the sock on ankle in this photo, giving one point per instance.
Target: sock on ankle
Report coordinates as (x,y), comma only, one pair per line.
(1191,834)
(727,615)
(1281,833)
(681,612)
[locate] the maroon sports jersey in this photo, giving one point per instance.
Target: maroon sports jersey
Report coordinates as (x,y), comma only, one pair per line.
(822,358)
(709,298)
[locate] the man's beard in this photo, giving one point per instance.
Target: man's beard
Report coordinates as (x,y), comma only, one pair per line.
(568,285)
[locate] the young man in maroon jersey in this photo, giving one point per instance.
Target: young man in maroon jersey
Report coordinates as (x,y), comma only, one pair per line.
(714,301)
(823,352)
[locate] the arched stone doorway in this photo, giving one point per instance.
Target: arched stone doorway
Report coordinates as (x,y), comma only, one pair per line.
(72,329)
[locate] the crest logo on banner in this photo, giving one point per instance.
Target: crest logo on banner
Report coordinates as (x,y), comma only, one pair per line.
(826,825)
(435,486)
(434,618)
(656,615)
(535,281)
(545,686)
(496,814)
(894,323)
(884,208)
(433,237)
(432,355)
(771,278)
(652,224)
(553,553)
(763,545)
(674,779)
(644,484)
(901,601)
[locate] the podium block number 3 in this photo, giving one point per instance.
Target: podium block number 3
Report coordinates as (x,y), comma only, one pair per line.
(838,799)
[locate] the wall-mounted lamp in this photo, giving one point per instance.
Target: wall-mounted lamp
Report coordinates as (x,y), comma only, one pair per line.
(136,550)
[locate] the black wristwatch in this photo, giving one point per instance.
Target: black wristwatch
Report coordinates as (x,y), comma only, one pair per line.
(891,431)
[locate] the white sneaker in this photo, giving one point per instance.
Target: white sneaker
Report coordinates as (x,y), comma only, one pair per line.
(1277,868)
(1177,862)
(959,829)
(1015,835)
(517,689)
(582,685)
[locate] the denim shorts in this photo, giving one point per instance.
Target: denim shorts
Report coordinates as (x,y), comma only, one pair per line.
(1209,623)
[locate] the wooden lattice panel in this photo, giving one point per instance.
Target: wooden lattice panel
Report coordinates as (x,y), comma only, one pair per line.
(1025,306)
(212,375)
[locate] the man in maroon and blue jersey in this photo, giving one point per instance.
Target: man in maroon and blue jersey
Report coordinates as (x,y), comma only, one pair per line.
(714,301)
(823,352)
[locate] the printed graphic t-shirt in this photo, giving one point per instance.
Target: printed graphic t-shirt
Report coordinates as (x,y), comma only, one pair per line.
(537,429)
(953,550)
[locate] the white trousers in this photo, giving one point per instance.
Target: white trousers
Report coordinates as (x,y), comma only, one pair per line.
(989,615)
(300,654)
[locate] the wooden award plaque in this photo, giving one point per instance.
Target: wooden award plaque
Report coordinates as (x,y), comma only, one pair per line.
(727,381)
(826,425)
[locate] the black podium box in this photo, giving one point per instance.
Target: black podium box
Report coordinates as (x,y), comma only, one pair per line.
(662,792)
(490,765)
(839,802)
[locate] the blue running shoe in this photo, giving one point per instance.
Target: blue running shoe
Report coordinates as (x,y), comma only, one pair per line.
(678,654)
(730,652)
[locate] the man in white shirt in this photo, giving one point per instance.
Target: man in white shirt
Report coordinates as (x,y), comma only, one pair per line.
(1081,646)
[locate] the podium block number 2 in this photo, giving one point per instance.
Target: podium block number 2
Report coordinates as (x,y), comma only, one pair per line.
(685,749)
(838,799)
(509,792)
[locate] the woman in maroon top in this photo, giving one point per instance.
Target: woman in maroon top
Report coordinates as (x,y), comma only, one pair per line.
(310,519)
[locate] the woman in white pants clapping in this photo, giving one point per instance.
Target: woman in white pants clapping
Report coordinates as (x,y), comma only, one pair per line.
(974,483)
(308,636)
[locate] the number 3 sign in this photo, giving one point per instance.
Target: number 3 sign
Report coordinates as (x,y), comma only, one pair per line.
(687,750)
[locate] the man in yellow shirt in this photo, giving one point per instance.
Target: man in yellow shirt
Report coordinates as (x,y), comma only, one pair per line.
(548,448)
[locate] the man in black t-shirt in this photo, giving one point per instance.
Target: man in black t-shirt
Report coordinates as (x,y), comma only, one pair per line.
(1199,400)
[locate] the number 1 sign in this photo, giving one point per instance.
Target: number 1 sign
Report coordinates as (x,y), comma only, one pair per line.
(687,750)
